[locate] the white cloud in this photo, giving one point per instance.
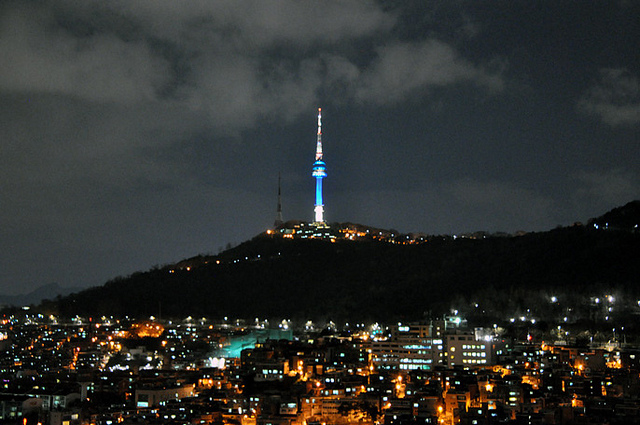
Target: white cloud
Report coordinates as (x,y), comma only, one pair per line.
(615,99)
(237,61)
(42,58)
(250,24)
(402,69)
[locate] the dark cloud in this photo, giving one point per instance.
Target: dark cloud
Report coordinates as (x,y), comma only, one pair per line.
(615,98)
(609,187)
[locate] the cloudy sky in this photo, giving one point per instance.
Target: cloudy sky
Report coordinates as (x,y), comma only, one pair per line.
(140,132)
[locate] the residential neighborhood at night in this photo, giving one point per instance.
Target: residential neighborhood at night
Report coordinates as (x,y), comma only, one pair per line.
(105,371)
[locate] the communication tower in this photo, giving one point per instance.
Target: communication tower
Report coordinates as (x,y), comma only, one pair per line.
(319,172)
(279,221)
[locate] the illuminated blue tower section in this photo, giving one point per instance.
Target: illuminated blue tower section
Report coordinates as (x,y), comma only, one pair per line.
(319,172)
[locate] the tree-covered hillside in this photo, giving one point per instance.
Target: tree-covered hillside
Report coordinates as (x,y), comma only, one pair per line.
(272,277)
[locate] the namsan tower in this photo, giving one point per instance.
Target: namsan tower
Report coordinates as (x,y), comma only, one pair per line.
(319,172)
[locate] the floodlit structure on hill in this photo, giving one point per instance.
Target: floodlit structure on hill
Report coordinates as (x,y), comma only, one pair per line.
(319,172)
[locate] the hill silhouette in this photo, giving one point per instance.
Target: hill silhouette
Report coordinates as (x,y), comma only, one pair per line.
(35,296)
(486,278)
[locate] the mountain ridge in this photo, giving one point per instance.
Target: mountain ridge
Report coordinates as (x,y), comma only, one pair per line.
(47,291)
(274,277)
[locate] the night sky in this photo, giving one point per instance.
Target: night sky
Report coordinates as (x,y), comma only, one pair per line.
(137,133)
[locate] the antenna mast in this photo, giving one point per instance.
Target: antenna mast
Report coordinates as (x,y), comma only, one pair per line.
(279,221)
(319,139)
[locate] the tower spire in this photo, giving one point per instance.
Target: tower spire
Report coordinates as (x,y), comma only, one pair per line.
(319,172)
(319,137)
(279,221)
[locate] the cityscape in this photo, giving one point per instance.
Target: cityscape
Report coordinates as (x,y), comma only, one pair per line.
(439,370)
(374,212)
(106,371)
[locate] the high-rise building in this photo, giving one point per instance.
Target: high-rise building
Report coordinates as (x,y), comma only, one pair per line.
(319,172)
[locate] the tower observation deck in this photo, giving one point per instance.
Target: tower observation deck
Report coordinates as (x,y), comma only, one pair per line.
(319,172)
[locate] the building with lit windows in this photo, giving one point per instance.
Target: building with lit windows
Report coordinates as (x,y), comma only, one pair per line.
(424,346)
(153,395)
(463,349)
(410,347)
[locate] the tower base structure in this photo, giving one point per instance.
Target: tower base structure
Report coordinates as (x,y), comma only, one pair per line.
(319,214)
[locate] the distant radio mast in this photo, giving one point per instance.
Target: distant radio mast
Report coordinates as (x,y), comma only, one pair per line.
(279,221)
(319,172)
